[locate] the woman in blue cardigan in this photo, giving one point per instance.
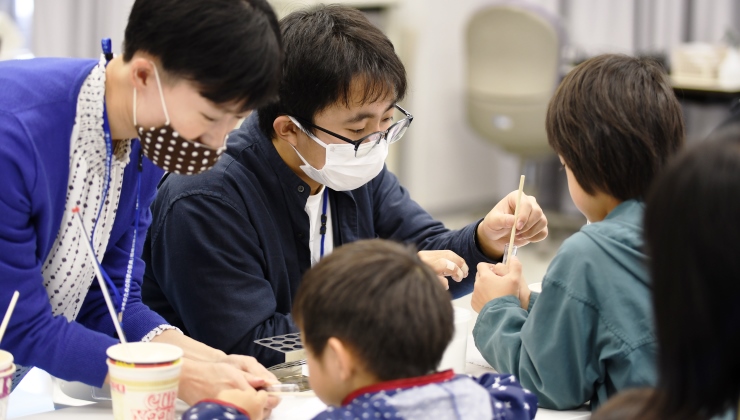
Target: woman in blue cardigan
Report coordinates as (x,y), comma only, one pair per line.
(94,137)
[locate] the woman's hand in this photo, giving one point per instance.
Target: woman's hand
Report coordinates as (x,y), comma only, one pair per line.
(250,365)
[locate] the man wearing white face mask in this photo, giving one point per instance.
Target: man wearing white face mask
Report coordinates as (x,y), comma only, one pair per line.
(300,177)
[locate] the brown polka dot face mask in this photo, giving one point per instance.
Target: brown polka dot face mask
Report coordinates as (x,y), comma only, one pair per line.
(166,149)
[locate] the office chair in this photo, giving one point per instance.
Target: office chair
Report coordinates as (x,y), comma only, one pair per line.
(513,51)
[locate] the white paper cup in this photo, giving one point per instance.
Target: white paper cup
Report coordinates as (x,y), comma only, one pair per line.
(455,354)
(144,379)
(7,369)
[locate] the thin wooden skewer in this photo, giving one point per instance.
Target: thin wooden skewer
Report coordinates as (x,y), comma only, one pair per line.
(516,217)
(8,313)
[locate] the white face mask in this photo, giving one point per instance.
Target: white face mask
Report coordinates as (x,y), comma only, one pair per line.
(342,170)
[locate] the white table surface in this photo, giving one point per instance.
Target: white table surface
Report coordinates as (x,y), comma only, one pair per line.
(299,408)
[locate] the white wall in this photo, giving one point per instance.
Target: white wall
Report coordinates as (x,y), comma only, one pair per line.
(596,26)
(74,28)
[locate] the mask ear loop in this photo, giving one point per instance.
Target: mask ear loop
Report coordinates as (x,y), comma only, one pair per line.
(134,107)
(161,95)
(308,133)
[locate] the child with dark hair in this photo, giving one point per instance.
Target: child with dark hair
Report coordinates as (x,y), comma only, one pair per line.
(91,139)
(375,323)
(614,121)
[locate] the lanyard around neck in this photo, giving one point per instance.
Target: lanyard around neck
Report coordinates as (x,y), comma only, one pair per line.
(121,302)
(322,230)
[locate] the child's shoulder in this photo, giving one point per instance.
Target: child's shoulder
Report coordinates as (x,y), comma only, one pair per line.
(602,258)
(491,393)
(618,238)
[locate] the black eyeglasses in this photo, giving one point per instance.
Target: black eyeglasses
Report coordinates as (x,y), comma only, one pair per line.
(364,145)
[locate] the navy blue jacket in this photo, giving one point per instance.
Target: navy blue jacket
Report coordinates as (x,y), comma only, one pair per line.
(227,248)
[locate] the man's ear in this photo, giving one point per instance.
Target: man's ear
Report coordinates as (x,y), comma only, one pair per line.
(286,130)
(142,73)
(343,358)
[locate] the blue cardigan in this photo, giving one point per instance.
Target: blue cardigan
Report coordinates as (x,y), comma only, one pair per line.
(227,248)
(38,101)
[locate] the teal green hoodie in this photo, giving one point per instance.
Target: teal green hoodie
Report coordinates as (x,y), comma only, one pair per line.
(590,333)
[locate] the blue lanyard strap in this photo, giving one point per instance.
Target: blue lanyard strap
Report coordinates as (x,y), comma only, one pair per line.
(322,231)
(120,303)
(132,254)
(106,186)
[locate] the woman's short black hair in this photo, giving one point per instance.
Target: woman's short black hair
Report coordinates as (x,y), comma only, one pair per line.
(382,301)
(615,120)
(327,50)
(231,49)
(692,233)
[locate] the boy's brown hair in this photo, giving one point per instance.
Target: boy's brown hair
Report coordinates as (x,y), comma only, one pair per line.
(383,302)
(615,120)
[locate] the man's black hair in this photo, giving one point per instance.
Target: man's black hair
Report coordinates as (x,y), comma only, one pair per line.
(231,49)
(329,50)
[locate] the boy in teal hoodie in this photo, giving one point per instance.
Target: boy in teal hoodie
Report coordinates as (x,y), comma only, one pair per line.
(613,122)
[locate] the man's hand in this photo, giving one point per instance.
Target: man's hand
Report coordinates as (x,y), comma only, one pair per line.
(495,229)
(252,366)
(489,285)
(205,380)
(445,263)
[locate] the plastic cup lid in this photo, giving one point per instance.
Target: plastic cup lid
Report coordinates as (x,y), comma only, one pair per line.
(144,353)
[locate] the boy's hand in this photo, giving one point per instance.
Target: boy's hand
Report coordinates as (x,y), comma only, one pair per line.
(257,376)
(494,281)
(445,263)
(253,402)
(495,229)
(524,292)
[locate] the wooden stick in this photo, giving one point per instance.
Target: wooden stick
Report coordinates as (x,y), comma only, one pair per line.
(516,217)
(8,313)
(99,275)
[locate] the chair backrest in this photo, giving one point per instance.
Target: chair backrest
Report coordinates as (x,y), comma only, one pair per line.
(513,58)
